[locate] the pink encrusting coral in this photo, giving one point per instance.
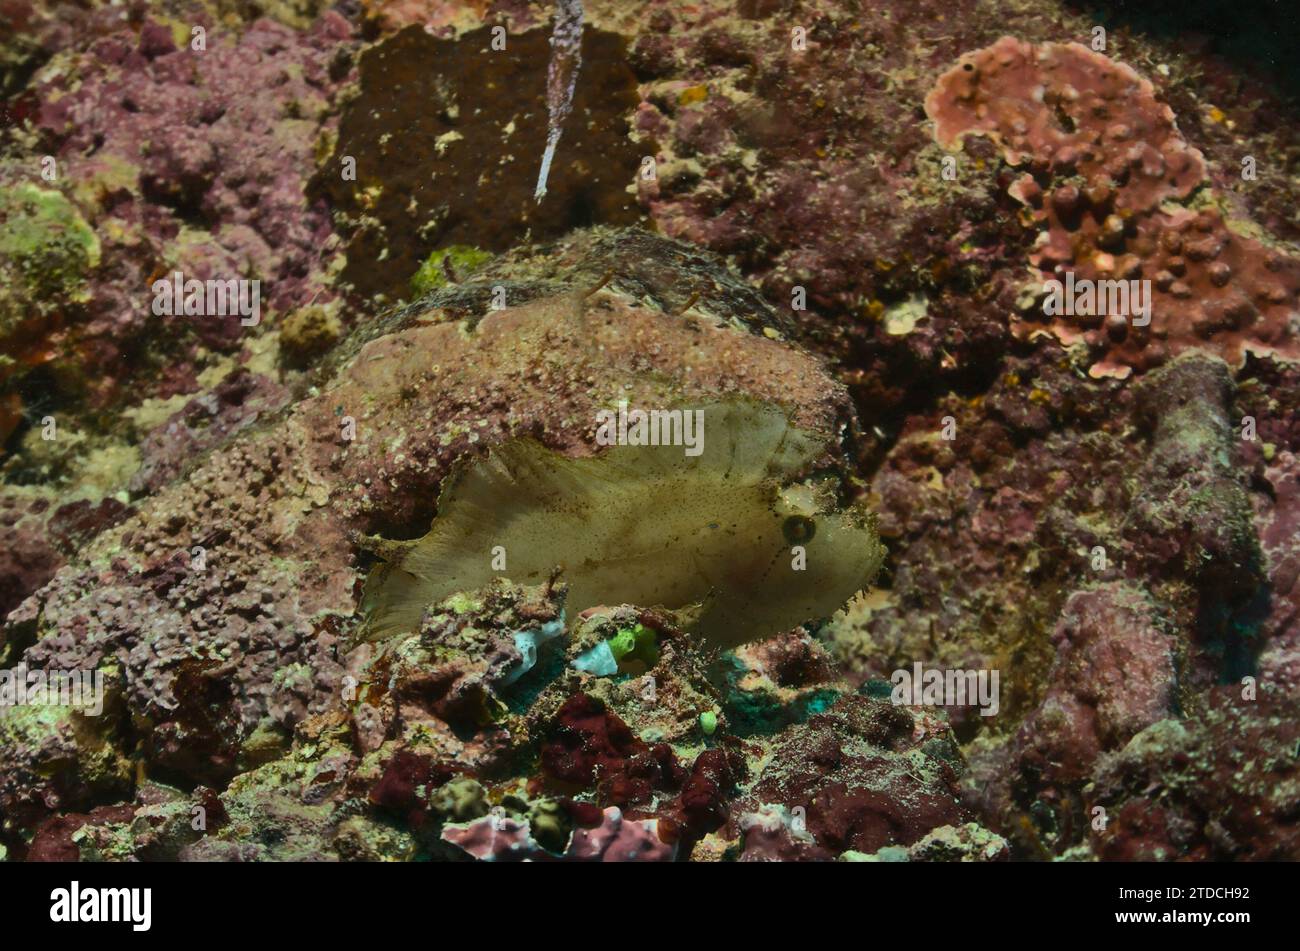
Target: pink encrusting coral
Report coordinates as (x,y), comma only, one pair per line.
(497,838)
(183,171)
(1119,195)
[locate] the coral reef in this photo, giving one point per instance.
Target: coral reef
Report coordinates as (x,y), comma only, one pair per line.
(147,158)
(1110,184)
(481,112)
(1216,788)
(276,539)
(866,774)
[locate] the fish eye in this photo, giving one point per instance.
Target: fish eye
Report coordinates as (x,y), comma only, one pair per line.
(798,529)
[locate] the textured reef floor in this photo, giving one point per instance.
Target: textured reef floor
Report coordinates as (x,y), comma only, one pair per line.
(271,534)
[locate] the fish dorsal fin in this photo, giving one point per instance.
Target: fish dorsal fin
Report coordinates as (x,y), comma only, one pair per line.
(757,437)
(740,436)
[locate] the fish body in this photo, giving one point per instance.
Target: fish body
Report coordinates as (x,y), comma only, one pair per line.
(644,525)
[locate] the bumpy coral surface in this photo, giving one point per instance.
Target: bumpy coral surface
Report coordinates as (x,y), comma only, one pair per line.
(1109,183)
(1083,642)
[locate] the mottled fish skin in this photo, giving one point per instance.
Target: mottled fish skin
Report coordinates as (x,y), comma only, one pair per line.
(645,525)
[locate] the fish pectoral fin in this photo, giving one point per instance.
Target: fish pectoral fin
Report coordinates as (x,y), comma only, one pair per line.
(688,615)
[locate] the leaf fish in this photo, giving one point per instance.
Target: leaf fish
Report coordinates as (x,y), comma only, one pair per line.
(727,531)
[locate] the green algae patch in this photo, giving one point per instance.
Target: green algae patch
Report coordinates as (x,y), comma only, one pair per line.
(45,240)
(728,533)
(46,250)
(447,266)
